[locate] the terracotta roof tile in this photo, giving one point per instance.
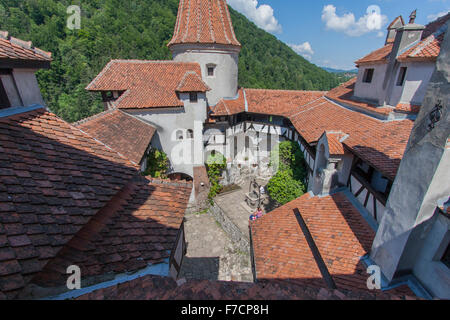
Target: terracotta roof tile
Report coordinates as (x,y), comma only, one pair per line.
(16,49)
(378,56)
(192,83)
(146,84)
(427,49)
(340,233)
(123,133)
(344,94)
(263,101)
(158,288)
(204,22)
(335,140)
(53,179)
(137,228)
(381,144)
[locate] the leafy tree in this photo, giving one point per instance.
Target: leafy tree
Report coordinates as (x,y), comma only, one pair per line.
(290,179)
(283,188)
(157,164)
(137,29)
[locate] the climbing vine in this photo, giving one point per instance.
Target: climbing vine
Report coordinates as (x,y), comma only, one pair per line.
(215,164)
(157,164)
(289,182)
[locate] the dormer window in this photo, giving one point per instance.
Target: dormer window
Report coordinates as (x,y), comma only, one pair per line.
(368,75)
(401,76)
(193,97)
(4,101)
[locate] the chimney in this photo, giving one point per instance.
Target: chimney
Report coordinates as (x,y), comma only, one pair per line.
(407,35)
(392,29)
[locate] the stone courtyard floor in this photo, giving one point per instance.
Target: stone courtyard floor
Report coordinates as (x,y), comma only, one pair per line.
(211,255)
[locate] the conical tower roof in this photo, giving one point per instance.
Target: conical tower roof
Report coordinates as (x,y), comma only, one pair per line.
(204,22)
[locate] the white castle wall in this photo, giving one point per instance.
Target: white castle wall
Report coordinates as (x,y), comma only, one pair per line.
(224,83)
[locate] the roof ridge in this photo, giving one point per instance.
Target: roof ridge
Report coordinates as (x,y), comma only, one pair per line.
(95,116)
(28,45)
(286,90)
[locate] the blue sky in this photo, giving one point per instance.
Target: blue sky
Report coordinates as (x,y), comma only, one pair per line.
(335,33)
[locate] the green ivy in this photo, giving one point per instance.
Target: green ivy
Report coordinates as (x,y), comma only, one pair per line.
(289,182)
(215,164)
(157,164)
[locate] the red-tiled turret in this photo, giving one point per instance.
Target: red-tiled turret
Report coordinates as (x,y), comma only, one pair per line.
(205,22)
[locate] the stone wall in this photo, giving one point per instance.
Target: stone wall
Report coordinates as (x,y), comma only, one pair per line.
(230,228)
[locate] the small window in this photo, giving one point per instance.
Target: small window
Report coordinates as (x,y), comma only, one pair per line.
(190,134)
(180,135)
(211,71)
(193,97)
(401,76)
(4,101)
(368,75)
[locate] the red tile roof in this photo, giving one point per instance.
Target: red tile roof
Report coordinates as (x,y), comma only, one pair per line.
(378,56)
(426,50)
(137,228)
(263,101)
(335,146)
(381,144)
(147,84)
(340,233)
(344,94)
(204,22)
(53,179)
(192,83)
(158,288)
(123,133)
(16,49)
(54,182)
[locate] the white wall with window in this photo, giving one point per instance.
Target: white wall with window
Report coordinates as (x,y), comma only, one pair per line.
(412,89)
(369,85)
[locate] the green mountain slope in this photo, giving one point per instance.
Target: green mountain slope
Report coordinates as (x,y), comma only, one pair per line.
(137,29)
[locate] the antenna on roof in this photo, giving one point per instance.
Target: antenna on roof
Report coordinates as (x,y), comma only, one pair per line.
(412,17)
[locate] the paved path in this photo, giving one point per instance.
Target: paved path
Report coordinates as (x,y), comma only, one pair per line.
(211,255)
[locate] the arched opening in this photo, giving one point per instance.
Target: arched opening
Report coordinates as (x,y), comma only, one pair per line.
(190,134)
(179,176)
(179,135)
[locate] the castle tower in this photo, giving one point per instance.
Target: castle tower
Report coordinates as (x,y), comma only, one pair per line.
(204,34)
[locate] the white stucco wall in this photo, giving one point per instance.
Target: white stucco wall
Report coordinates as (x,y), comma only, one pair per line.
(413,91)
(168,121)
(224,83)
(373,90)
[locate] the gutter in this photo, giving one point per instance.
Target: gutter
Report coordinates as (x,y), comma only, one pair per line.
(161,269)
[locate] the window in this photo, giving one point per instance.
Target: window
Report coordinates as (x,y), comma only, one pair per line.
(190,134)
(193,97)
(247,143)
(446,257)
(368,75)
(269,142)
(4,101)
(180,135)
(401,76)
(211,69)
(235,146)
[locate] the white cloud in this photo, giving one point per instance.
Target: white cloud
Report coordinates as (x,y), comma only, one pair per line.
(303,49)
(432,17)
(373,20)
(262,15)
